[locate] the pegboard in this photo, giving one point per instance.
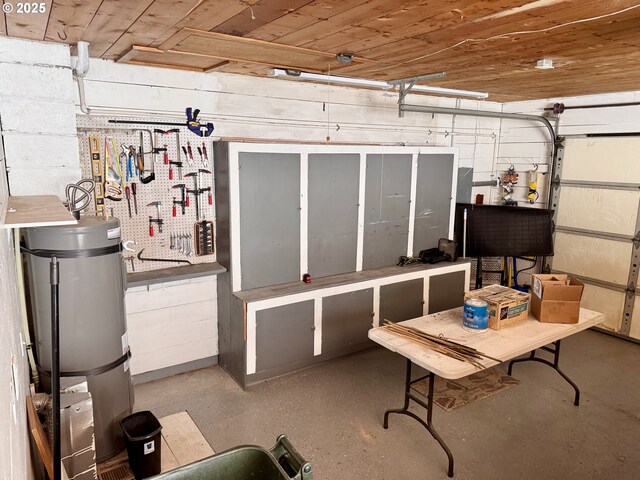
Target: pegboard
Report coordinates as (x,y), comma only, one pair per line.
(160,189)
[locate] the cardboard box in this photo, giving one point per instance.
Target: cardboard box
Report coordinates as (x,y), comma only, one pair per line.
(507,306)
(556,298)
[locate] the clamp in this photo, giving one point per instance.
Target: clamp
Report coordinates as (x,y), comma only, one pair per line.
(197,127)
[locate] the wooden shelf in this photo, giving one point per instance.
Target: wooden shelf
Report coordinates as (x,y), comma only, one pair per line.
(36,211)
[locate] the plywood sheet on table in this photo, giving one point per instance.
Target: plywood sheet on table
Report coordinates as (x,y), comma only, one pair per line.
(592,257)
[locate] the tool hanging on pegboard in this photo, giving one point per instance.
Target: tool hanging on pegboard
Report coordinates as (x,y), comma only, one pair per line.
(533,194)
(114,180)
(133,162)
(197,127)
(509,180)
(97,174)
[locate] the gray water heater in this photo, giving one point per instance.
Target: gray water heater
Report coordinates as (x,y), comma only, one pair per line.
(93,328)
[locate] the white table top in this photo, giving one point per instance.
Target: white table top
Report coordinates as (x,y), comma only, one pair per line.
(503,344)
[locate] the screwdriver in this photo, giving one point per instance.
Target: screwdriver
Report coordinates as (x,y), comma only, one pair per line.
(127,191)
(134,190)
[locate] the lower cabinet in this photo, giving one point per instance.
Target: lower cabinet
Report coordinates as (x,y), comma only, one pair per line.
(402,301)
(284,336)
(281,329)
(446,291)
(346,320)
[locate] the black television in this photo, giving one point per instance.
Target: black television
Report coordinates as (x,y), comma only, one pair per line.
(504,231)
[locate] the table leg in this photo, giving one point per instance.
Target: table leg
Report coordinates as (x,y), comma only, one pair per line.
(555,365)
(428,406)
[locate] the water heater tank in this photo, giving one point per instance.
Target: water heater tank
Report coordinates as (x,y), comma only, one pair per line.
(93,328)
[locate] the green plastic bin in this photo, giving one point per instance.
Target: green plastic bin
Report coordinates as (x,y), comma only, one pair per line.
(247,462)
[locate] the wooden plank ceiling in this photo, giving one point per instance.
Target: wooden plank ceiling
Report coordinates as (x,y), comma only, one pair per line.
(485,45)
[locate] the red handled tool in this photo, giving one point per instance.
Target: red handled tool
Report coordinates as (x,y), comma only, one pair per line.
(166,155)
(204,151)
(190,153)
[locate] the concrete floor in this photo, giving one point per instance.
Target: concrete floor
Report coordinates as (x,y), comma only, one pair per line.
(333,415)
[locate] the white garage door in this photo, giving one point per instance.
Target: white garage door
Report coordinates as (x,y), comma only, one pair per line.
(597,200)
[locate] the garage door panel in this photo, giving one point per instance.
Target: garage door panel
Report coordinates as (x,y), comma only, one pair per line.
(635,321)
(592,257)
(612,159)
(606,301)
(613,211)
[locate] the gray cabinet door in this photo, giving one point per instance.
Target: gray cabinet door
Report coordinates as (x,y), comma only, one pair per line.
(346,320)
(446,291)
(433,200)
(401,301)
(386,209)
(333,213)
(269,218)
(284,336)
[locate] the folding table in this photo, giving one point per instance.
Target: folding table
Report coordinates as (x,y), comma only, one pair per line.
(504,344)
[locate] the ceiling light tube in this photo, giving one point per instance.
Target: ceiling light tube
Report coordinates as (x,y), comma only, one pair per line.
(297,75)
(449,91)
(363,82)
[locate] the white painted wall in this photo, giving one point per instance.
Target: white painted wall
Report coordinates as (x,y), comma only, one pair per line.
(38,116)
(15,459)
(275,109)
(172,323)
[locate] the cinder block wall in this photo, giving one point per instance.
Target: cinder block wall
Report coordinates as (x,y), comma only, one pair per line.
(14,373)
(37,112)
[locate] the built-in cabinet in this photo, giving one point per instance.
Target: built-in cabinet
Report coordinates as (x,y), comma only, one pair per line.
(292,326)
(344,214)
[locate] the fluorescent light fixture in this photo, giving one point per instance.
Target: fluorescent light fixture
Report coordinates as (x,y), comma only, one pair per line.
(544,64)
(449,91)
(363,82)
(298,75)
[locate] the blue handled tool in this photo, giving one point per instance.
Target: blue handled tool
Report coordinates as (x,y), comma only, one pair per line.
(200,129)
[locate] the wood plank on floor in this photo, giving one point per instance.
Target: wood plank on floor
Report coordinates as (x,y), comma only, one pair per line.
(181,443)
(184,439)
